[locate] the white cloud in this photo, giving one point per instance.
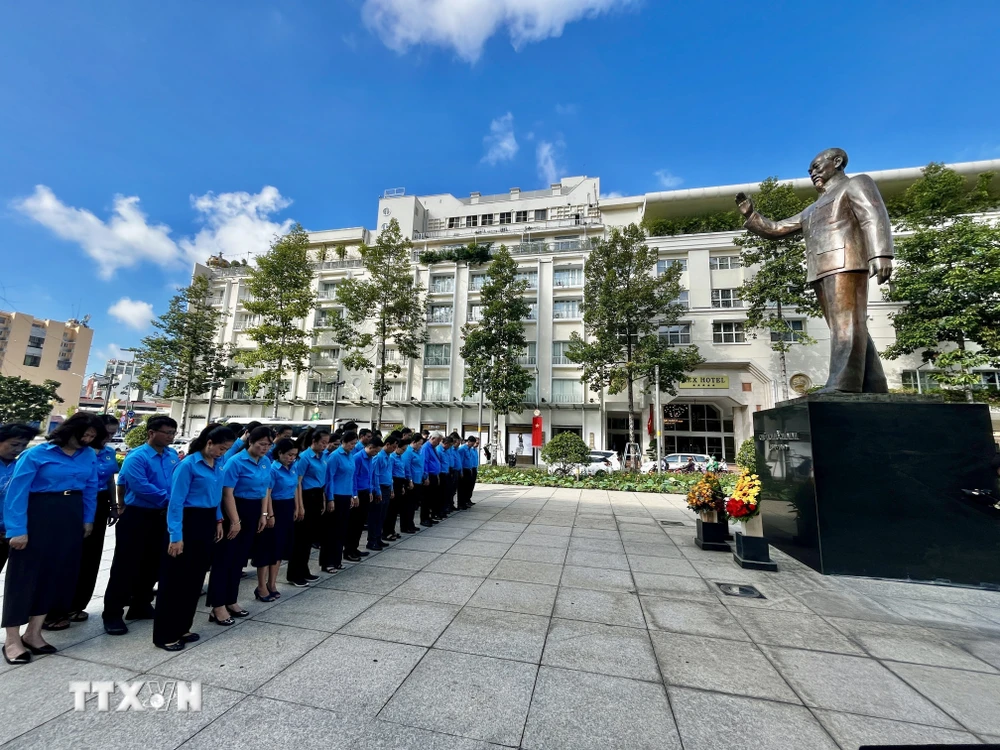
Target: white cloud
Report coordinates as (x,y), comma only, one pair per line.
(612,194)
(132,312)
(465,25)
(98,357)
(667,180)
(501,145)
(234,223)
(566,109)
(546,157)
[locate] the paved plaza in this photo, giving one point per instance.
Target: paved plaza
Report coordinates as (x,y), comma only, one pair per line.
(545,619)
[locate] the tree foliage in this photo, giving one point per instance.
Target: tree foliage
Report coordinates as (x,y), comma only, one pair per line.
(717,221)
(565,450)
(475,254)
(280,285)
(493,346)
(24,401)
(386,306)
(746,456)
(137,435)
(184,350)
(625,303)
(948,276)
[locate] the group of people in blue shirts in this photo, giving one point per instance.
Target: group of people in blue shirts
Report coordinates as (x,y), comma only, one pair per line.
(242,493)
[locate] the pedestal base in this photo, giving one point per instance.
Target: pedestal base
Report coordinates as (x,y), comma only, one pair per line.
(752,552)
(712,536)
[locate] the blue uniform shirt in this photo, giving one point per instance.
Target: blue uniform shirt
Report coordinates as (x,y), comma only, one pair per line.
(340,475)
(382,468)
(195,484)
(107,467)
(399,467)
(284,481)
(463,456)
(47,468)
(474,453)
(311,466)
(414,465)
(248,476)
(431,463)
(6,472)
(236,447)
(363,472)
(146,476)
(358,446)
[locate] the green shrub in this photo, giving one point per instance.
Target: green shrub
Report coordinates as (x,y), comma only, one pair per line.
(746,456)
(137,435)
(667,482)
(565,450)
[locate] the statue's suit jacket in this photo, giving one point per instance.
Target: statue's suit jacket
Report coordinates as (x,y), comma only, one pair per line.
(845,229)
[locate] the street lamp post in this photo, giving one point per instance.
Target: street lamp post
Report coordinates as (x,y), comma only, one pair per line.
(319,391)
(659,422)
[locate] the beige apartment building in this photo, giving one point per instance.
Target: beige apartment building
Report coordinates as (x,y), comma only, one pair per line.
(40,350)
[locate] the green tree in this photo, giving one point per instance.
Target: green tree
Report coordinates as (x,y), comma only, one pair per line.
(948,277)
(746,456)
(493,346)
(564,451)
(386,306)
(137,435)
(280,285)
(778,286)
(24,401)
(184,350)
(625,304)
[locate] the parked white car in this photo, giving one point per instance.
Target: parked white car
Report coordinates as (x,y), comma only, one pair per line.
(601,463)
(676,462)
(180,445)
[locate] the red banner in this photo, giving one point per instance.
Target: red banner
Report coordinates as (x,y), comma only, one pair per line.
(536,432)
(649,422)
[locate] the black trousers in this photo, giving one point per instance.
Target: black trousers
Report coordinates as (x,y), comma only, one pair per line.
(272,544)
(465,488)
(356,522)
(475,478)
(409,507)
(136,564)
(428,497)
(230,555)
(41,578)
(376,516)
(91,552)
(305,533)
(392,511)
(4,549)
(181,577)
(335,527)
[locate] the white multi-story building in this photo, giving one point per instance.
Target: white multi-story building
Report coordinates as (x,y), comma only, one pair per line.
(549,233)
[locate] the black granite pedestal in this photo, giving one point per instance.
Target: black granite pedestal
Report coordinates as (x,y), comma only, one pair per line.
(871,485)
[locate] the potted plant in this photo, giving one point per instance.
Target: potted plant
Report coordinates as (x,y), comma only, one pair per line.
(752,550)
(708,500)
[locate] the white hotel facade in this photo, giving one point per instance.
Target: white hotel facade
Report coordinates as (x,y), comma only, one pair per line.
(549,233)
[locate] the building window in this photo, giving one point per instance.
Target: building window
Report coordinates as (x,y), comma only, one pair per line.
(663,265)
(682,299)
(246,320)
(436,389)
(567,277)
(442,284)
(476,313)
(676,335)
(532,310)
(505,217)
(36,341)
(559,349)
(63,364)
(726,298)
(728,333)
(566,391)
(487,219)
(990,379)
(327,290)
(326,357)
(441,313)
(796,329)
(927,380)
(32,360)
(541,214)
(723,262)
(566,309)
(530,356)
(454,222)
(397,390)
(476,281)
(471,221)
(529,276)
(437,354)
(520,216)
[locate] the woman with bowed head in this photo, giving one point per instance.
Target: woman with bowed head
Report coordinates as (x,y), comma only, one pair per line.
(284,502)
(14,438)
(341,496)
(194,525)
(308,527)
(93,546)
(246,477)
(49,509)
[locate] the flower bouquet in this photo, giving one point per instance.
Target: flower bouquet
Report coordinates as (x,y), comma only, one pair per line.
(707,498)
(744,504)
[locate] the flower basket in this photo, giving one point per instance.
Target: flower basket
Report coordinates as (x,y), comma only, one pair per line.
(708,500)
(744,504)
(751,548)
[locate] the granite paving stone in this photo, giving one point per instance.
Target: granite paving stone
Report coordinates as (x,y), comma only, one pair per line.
(318,609)
(366,579)
(972,698)
(607,649)
(852,731)
(608,607)
(794,630)
(463,565)
(489,632)
(439,587)
(528,572)
(597,578)
(402,621)
(515,596)
(695,618)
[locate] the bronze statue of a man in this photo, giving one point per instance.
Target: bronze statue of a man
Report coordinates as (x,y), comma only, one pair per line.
(848,239)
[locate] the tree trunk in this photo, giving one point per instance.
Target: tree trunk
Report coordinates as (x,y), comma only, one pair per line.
(381,378)
(495,427)
(968,388)
(783,359)
(184,408)
(631,414)
(277,385)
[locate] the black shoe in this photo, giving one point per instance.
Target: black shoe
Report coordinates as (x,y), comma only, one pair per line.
(351,557)
(242,612)
(469,504)
(190,638)
(212,618)
(426,524)
(363,553)
(297,584)
(331,569)
(48,648)
(115,626)
(140,613)
(310,577)
(179,646)
(24,658)
(374,547)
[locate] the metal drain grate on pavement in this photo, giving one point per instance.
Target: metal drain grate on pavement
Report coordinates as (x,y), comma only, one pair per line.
(672,523)
(740,589)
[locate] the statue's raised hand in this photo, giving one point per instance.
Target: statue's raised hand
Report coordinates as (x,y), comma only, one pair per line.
(744,204)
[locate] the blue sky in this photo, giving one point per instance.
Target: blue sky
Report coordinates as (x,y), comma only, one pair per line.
(136,137)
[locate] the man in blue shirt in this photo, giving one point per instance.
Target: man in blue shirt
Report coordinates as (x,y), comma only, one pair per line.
(14,438)
(465,482)
(414,466)
(364,476)
(281,432)
(432,469)
(145,476)
(382,484)
(364,438)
